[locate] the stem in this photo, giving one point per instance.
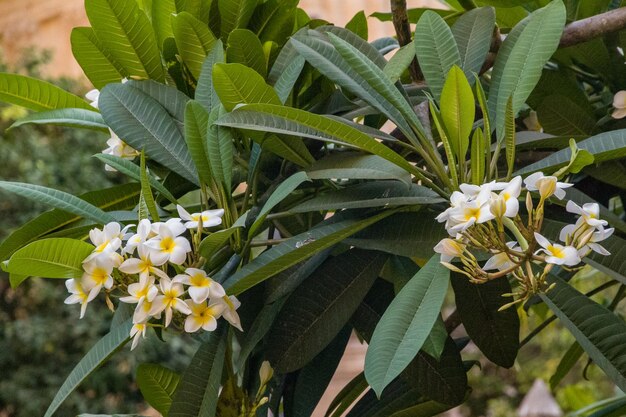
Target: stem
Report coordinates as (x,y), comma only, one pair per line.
(467,4)
(508,223)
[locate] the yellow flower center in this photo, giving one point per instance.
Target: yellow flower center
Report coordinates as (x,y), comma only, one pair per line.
(199,280)
(102,246)
(472,213)
(556,252)
(100,276)
(506,196)
(167,244)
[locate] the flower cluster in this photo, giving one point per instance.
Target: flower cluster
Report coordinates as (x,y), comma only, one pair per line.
(481,217)
(135,267)
(116,146)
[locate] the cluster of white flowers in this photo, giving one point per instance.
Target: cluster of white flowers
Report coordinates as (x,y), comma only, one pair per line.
(479,216)
(117,147)
(135,267)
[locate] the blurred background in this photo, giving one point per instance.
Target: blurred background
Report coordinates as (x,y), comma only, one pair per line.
(41,339)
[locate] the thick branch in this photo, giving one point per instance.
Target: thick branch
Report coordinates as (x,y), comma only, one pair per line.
(592,27)
(403,31)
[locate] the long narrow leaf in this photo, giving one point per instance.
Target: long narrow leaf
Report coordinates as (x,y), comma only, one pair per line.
(36,94)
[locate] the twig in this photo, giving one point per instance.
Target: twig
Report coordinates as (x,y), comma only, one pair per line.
(592,27)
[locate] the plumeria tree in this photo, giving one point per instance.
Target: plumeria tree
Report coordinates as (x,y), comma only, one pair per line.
(290,185)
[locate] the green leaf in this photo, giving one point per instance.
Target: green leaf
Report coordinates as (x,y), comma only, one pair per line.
(146,193)
(405,325)
(348,394)
(235,14)
(133,171)
(172,100)
(279,119)
(399,62)
(79,118)
(560,116)
(458,110)
(405,234)
(116,198)
(214,241)
(604,147)
(414,14)
(199,9)
(196,133)
(96,356)
(162,12)
(205,93)
(144,123)
(291,148)
(383,86)
(194,41)
(284,189)
(436,50)
(566,364)
(478,164)
(273,20)
(288,76)
(358,25)
(509,138)
(352,165)
(314,378)
(472,32)
(495,333)
(521,58)
(367,195)
(220,149)
(96,61)
(50,258)
(295,250)
(57,199)
(126,34)
(245,48)
(157,385)
(37,95)
(197,392)
(447,143)
(320,307)
(598,330)
(237,84)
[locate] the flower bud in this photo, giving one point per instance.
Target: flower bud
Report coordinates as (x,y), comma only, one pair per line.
(546,186)
(529,203)
(265,373)
(498,207)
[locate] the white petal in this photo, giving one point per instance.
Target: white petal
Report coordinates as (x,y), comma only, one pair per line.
(542,240)
(210,324)
(184,214)
(192,324)
(198,294)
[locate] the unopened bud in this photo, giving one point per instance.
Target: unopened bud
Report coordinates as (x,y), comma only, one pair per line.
(265,373)
(498,207)
(529,203)
(546,186)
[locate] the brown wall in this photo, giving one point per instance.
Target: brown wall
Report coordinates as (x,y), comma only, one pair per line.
(48,23)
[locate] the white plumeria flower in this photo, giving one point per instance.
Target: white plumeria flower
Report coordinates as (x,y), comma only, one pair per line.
(93,96)
(137,332)
(141,291)
(144,232)
(589,213)
(97,275)
(107,241)
(209,218)
(78,295)
(510,194)
(169,300)
(619,102)
(532,122)
(144,311)
(449,249)
(231,304)
(501,261)
(456,199)
(118,147)
(558,254)
(168,245)
(599,236)
(203,316)
(201,286)
(468,214)
(143,266)
(546,185)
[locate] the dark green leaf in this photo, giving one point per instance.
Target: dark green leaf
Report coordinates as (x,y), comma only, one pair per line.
(472,32)
(320,307)
(245,48)
(95,60)
(568,361)
(194,41)
(157,385)
(79,118)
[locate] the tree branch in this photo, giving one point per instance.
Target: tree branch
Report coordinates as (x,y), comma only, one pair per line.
(403,31)
(592,27)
